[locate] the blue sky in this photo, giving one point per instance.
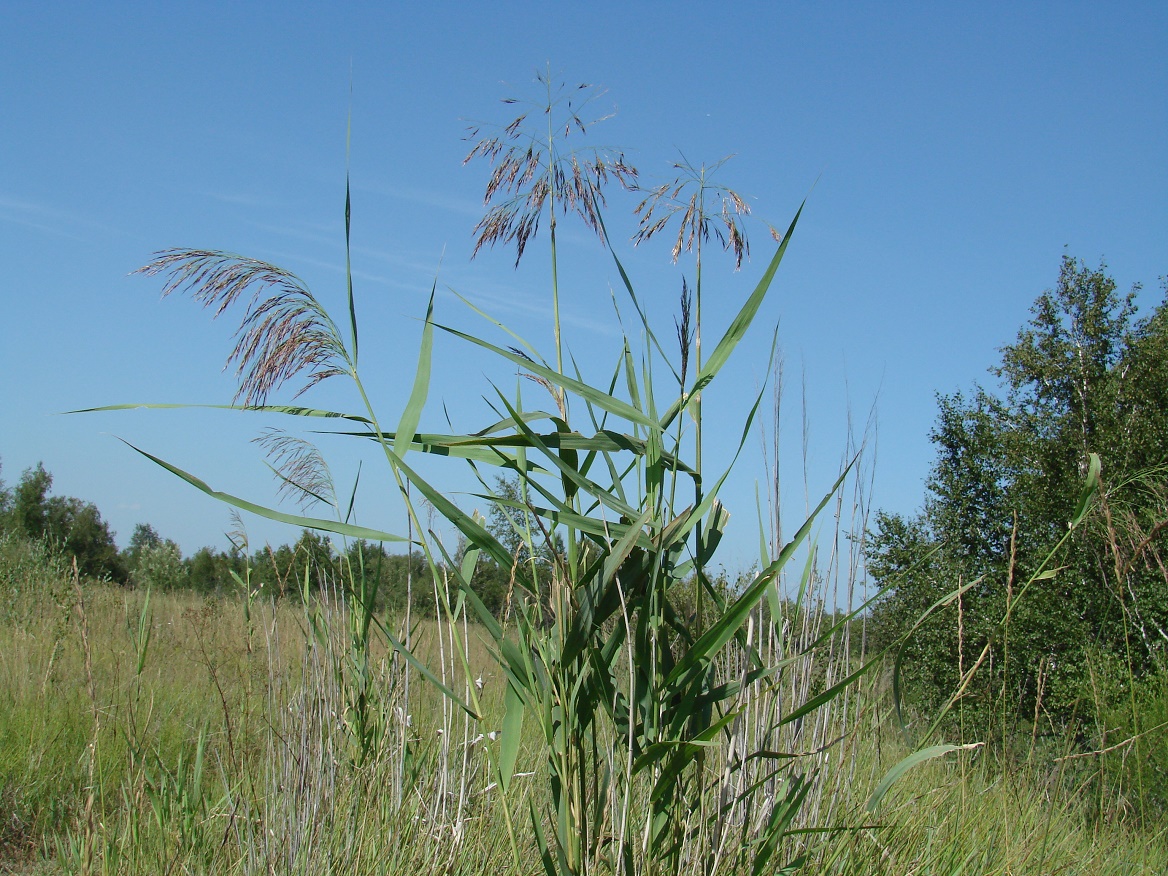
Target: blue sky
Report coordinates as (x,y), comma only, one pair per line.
(950,156)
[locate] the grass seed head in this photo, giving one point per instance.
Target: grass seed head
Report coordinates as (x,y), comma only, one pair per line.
(282,334)
(304,475)
(711,210)
(532,170)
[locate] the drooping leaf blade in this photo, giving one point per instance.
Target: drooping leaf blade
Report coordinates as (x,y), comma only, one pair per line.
(583,390)
(917,757)
(270,513)
(292,410)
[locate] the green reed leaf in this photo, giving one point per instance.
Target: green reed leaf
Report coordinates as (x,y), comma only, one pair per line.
(917,757)
(1090,488)
(570,473)
(270,513)
(412,415)
(511,734)
(583,390)
(421,668)
(736,331)
(293,410)
(723,629)
(349,228)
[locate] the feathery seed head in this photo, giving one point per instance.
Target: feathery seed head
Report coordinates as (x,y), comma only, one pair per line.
(304,475)
(711,210)
(281,335)
(532,171)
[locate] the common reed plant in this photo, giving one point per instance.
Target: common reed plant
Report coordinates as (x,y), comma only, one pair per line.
(627,693)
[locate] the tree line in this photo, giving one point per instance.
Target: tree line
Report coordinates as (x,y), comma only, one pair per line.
(1086,374)
(77,529)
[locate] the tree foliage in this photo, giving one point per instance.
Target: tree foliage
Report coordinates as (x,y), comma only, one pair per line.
(70,525)
(1083,375)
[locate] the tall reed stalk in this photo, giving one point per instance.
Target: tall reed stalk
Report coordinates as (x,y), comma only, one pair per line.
(702,208)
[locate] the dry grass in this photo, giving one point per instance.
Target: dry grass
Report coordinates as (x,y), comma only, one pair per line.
(281,791)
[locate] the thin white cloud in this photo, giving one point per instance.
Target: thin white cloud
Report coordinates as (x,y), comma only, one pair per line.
(426,197)
(339,268)
(497,300)
(51,220)
(302,233)
(335,242)
(243,200)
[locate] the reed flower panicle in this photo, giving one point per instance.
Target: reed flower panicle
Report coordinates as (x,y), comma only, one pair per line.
(533,171)
(283,332)
(710,209)
(303,473)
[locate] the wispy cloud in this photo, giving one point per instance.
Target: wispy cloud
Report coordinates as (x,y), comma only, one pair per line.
(307,233)
(498,300)
(339,268)
(245,200)
(325,237)
(51,220)
(426,198)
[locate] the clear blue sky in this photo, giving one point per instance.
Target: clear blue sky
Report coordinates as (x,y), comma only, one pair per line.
(951,156)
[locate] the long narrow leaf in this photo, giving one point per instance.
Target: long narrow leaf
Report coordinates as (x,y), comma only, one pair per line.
(349,228)
(570,472)
(627,283)
(736,331)
(511,735)
(411,416)
(270,513)
(499,325)
(583,390)
(724,628)
(293,410)
(917,757)
(421,668)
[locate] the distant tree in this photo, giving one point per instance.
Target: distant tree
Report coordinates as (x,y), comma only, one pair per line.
(145,536)
(391,572)
(30,501)
(152,561)
(80,529)
(71,525)
(1082,376)
(285,570)
(315,562)
(5,502)
(209,570)
(160,568)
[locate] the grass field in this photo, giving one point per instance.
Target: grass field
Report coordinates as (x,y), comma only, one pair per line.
(175,736)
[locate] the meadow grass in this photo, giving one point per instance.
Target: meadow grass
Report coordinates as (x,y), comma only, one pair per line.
(217,759)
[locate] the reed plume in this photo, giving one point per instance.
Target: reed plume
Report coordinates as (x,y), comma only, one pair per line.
(281,334)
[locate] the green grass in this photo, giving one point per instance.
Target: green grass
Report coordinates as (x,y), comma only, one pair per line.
(281,789)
